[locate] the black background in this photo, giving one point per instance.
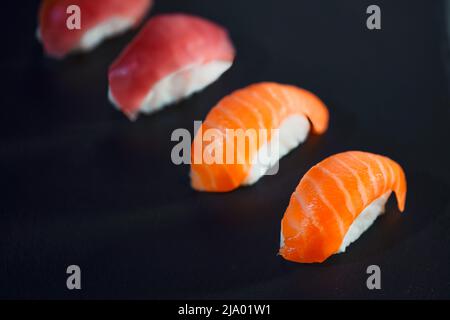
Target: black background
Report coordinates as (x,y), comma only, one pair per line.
(80,184)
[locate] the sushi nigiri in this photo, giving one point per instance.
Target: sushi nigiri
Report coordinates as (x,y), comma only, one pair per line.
(262,107)
(174,56)
(98,20)
(336,201)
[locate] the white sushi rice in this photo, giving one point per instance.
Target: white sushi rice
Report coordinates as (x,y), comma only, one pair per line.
(181,84)
(102,31)
(364,220)
(292,132)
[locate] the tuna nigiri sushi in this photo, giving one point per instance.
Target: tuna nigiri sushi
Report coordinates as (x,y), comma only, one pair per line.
(174,56)
(336,201)
(280,116)
(98,20)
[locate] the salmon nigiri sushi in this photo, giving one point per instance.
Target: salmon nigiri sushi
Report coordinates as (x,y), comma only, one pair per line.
(174,56)
(98,20)
(272,118)
(336,201)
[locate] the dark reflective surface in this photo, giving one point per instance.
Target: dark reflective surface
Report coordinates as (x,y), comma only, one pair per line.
(82,185)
